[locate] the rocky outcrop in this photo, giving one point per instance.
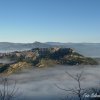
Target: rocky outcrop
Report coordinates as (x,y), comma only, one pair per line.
(43,57)
(17,67)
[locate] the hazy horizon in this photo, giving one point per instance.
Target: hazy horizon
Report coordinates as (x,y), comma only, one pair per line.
(51,42)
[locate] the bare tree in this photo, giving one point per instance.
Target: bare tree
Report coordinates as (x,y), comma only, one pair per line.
(77,91)
(7,92)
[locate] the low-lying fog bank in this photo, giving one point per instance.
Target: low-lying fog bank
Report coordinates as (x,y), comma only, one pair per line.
(5,61)
(39,83)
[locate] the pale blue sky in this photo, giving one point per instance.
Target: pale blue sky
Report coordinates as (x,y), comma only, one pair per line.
(50,20)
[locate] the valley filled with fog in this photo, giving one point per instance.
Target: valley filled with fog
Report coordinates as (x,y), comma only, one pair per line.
(40,83)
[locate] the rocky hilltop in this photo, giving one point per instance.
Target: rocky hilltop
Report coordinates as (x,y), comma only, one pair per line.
(43,57)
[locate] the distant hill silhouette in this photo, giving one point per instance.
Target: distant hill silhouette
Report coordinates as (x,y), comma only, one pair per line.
(87,49)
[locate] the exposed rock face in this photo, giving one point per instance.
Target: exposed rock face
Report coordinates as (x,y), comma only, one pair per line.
(43,57)
(17,67)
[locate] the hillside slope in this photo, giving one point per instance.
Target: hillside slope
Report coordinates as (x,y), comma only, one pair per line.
(43,57)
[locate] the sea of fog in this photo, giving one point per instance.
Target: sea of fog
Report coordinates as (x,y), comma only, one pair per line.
(5,61)
(41,83)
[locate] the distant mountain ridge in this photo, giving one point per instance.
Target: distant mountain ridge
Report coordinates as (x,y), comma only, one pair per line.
(87,49)
(10,47)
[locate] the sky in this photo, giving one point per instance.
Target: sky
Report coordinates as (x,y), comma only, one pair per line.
(26,21)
